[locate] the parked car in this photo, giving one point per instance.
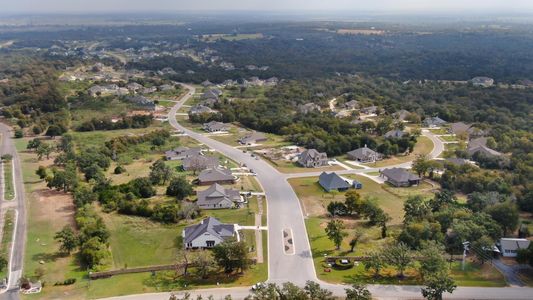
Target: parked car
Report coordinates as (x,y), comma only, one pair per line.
(258,286)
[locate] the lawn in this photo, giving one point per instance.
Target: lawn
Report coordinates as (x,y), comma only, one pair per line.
(448,138)
(9,192)
(477,275)
(315,199)
(423,147)
(7,235)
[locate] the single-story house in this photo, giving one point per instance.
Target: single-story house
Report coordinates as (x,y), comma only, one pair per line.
(215,126)
(332,181)
(199,162)
(182,152)
(353,104)
(364,155)
(216,175)
(459,128)
(433,122)
(400,177)
(253,138)
(483,149)
(509,246)
(369,110)
(311,158)
(482,81)
(207,234)
(401,115)
(200,109)
(307,108)
(394,134)
(142,102)
(217,197)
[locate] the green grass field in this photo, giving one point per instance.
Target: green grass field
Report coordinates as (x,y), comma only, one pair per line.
(423,146)
(9,189)
(7,235)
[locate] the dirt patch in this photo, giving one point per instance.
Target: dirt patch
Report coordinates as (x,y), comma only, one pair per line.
(54,205)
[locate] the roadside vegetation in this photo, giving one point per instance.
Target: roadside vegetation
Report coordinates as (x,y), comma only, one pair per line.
(9,188)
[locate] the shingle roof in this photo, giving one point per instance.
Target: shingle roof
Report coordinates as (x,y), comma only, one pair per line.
(331,181)
(217,193)
(362,152)
(211,225)
(394,134)
(199,162)
(399,175)
(215,174)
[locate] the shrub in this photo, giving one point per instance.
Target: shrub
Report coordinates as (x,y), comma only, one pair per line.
(339,264)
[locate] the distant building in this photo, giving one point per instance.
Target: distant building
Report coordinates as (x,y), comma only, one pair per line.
(214,126)
(364,155)
(308,108)
(218,197)
(482,81)
(253,138)
(182,152)
(394,134)
(433,122)
(311,158)
(143,102)
(216,175)
(400,177)
(207,234)
(199,162)
(207,83)
(401,115)
(352,104)
(370,110)
(509,246)
(200,109)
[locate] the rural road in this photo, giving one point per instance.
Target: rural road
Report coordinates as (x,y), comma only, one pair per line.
(17,258)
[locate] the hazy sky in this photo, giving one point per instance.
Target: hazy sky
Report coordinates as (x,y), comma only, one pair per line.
(88,6)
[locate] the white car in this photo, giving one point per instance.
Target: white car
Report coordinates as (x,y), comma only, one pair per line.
(258,286)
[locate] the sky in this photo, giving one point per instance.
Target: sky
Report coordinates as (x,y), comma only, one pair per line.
(113,6)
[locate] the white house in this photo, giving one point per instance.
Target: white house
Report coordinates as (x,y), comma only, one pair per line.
(509,246)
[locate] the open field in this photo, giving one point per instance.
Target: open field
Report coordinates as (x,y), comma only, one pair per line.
(423,146)
(315,199)
(9,191)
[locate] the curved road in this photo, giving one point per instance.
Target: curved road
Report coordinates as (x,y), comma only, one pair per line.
(283,211)
(17,257)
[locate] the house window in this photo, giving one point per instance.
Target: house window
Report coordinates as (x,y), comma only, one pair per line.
(189,245)
(210,244)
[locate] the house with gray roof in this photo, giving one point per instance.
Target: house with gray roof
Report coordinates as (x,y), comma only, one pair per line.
(308,108)
(484,150)
(206,83)
(218,197)
(394,134)
(216,175)
(199,162)
(352,104)
(143,102)
(200,109)
(369,110)
(400,177)
(401,115)
(182,152)
(364,155)
(482,81)
(215,126)
(509,246)
(311,158)
(253,138)
(332,181)
(207,234)
(433,122)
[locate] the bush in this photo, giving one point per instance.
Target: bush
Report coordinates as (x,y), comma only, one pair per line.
(68,281)
(19,133)
(119,170)
(340,265)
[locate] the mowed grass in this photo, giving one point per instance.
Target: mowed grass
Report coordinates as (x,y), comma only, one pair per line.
(7,236)
(9,189)
(423,146)
(477,275)
(285,166)
(41,250)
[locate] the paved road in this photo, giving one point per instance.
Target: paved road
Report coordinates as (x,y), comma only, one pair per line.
(283,209)
(17,260)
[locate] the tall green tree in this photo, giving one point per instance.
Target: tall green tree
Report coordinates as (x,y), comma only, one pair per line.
(67,239)
(180,188)
(160,172)
(375,261)
(335,232)
(232,255)
(399,256)
(505,214)
(437,284)
(358,292)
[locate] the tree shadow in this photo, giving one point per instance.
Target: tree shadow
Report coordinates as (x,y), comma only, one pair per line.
(47,257)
